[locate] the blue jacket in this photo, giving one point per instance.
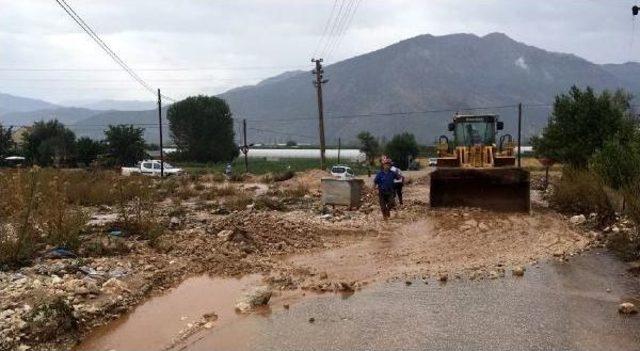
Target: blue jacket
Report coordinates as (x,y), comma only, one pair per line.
(384,180)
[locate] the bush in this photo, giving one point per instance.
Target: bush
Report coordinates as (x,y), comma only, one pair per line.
(581,191)
(402,148)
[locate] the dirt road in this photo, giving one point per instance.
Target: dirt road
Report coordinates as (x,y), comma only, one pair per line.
(347,251)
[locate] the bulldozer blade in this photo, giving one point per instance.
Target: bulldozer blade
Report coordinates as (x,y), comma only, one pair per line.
(499,189)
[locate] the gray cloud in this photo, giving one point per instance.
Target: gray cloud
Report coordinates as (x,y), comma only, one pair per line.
(278,34)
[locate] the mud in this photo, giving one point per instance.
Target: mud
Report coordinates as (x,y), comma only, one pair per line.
(295,246)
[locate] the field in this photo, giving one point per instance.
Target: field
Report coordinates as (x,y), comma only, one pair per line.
(259,166)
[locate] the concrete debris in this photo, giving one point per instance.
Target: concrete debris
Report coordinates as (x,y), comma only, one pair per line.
(518,271)
(578,219)
(627,308)
(255,297)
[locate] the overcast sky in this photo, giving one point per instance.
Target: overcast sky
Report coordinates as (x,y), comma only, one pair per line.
(218,45)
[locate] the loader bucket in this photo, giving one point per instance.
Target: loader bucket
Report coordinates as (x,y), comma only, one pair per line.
(500,189)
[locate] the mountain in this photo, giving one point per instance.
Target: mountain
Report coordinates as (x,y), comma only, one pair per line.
(628,73)
(424,73)
(66,115)
(95,125)
(414,85)
(10,103)
(107,105)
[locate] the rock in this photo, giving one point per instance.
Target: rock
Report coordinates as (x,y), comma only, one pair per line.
(494,275)
(257,296)
(225,234)
(55,279)
(483,227)
(606,229)
(174,222)
(115,286)
(323,275)
(311,320)
(627,308)
(471,223)
(577,219)
(408,282)
(208,325)
(518,271)
(443,277)
(23,347)
(615,229)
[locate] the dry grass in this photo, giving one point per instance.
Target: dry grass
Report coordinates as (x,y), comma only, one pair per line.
(581,191)
(42,207)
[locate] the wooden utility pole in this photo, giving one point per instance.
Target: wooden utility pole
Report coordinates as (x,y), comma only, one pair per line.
(160,128)
(318,71)
(519,131)
(245,147)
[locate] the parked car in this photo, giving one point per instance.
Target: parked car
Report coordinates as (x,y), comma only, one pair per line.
(341,171)
(152,168)
(433,162)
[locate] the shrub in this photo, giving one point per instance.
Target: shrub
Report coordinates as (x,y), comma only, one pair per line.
(269,203)
(581,191)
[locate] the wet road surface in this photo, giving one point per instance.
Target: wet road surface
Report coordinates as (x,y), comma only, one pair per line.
(555,306)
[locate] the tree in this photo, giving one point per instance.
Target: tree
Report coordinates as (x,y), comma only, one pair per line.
(87,150)
(49,143)
(291,143)
(402,148)
(125,144)
(202,128)
(618,161)
(580,124)
(6,140)
(369,146)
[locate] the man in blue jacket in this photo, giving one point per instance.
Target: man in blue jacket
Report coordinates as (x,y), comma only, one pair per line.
(384,182)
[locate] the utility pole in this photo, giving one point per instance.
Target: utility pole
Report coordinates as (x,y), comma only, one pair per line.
(519,131)
(160,127)
(318,71)
(245,147)
(339,150)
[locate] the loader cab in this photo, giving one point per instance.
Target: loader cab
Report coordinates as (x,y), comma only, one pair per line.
(469,130)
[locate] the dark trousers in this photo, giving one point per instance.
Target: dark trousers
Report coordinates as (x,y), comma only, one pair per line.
(397,187)
(387,202)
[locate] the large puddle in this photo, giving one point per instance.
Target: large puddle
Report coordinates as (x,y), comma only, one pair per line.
(567,306)
(153,325)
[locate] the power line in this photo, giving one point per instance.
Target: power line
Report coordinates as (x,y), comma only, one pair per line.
(347,22)
(333,32)
(387,114)
(326,27)
(87,29)
(161,69)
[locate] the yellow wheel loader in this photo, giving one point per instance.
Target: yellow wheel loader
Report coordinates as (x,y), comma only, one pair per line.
(476,170)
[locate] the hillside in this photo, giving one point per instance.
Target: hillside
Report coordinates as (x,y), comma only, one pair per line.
(421,74)
(11,103)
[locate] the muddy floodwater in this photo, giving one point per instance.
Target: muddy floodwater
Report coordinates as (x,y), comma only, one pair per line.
(556,305)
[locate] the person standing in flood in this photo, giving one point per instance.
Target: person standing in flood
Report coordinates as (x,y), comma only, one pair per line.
(398,183)
(384,182)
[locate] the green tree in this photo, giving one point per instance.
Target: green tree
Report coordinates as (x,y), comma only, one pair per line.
(125,144)
(6,140)
(580,124)
(618,162)
(202,128)
(402,148)
(369,146)
(87,150)
(291,143)
(50,143)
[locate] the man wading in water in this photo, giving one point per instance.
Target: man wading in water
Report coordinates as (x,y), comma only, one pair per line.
(384,182)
